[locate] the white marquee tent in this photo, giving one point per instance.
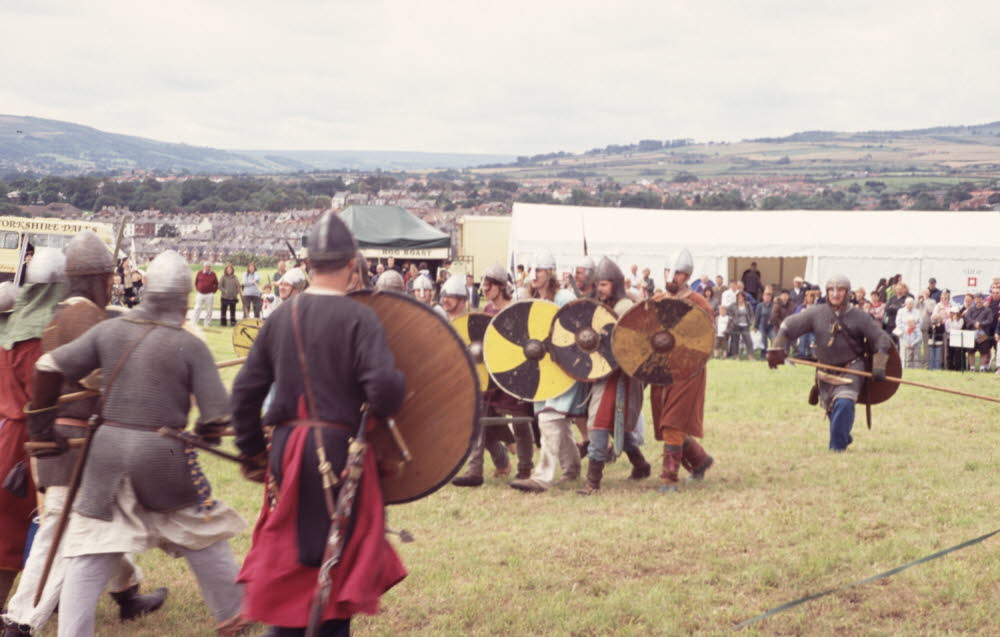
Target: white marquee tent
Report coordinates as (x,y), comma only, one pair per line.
(960,249)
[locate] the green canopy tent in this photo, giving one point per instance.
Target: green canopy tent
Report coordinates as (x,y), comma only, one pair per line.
(391,231)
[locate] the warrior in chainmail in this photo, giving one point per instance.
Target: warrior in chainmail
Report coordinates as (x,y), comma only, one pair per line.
(615,402)
(326,356)
(844,336)
(679,408)
(583,278)
(141,489)
(89,268)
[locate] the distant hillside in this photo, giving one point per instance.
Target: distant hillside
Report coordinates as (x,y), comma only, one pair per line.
(980,134)
(62,148)
(370,160)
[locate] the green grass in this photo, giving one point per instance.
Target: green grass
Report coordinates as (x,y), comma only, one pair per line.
(777,517)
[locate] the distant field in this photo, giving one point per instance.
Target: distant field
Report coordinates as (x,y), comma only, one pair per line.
(778,517)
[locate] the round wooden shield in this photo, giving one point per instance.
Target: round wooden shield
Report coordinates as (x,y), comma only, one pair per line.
(439,418)
(517,351)
(471,328)
(244,334)
(881,391)
(658,341)
(581,340)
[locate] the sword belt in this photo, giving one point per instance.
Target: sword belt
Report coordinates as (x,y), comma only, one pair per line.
(72,422)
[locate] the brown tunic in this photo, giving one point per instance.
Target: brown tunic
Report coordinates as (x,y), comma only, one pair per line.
(681,405)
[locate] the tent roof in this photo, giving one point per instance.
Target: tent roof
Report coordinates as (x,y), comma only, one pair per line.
(753,233)
(392,227)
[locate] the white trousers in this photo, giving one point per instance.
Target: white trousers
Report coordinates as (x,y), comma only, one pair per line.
(203,303)
(558,448)
(21,607)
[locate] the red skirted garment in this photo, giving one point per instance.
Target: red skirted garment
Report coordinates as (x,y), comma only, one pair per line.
(605,416)
(16,369)
(681,405)
(279,589)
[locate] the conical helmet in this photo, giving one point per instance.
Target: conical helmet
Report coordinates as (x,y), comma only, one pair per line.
(168,273)
(330,239)
(87,254)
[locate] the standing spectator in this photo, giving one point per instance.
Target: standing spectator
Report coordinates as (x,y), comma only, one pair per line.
(702,284)
(390,264)
(229,293)
(720,284)
(721,332)
(797,295)
(751,281)
(781,309)
(117,292)
(741,317)
(954,323)
(933,290)
(205,285)
(877,308)
(282,267)
(925,305)
(133,290)
(379,270)
(979,318)
(910,339)
(762,321)
(634,281)
(900,293)
(521,274)
(647,284)
(471,293)
(908,312)
(937,333)
(251,291)
(268,301)
(729,296)
(713,301)
(860,297)
(410,277)
(993,302)
(807,341)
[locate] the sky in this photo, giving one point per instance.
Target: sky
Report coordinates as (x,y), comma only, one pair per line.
(504,76)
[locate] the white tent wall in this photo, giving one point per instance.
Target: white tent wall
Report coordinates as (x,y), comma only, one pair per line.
(864,245)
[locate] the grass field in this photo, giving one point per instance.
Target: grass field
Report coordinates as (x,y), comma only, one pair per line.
(778,517)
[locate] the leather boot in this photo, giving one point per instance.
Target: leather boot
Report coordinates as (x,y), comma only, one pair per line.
(814,395)
(528,485)
(132,605)
(501,473)
(525,452)
(468,480)
(695,459)
(15,630)
(595,471)
(6,583)
(672,458)
(640,468)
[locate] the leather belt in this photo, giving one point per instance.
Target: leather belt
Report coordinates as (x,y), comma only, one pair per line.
(72,422)
(317,424)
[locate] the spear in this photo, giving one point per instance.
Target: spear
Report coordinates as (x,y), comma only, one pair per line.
(892,379)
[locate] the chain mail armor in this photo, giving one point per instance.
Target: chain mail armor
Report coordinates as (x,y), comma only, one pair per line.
(840,341)
(153,389)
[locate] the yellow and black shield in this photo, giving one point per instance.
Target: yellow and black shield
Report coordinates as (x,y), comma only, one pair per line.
(658,341)
(516,352)
(244,334)
(471,328)
(581,340)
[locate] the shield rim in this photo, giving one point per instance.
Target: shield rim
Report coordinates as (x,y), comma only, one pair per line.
(547,343)
(580,301)
(476,425)
(888,388)
(674,379)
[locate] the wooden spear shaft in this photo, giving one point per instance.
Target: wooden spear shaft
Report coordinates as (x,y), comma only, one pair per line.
(893,379)
(87,393)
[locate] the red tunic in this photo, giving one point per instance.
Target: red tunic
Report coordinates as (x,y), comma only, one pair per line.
(279,589)
(681,405)
(17,366)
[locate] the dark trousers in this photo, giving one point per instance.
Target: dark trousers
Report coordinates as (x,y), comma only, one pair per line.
(231,305)
(332,628)
(841,423)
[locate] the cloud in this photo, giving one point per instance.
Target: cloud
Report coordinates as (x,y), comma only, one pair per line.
(516,77)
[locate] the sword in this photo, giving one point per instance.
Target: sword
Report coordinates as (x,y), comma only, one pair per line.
(199,443)
(892,379)
(338,526)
